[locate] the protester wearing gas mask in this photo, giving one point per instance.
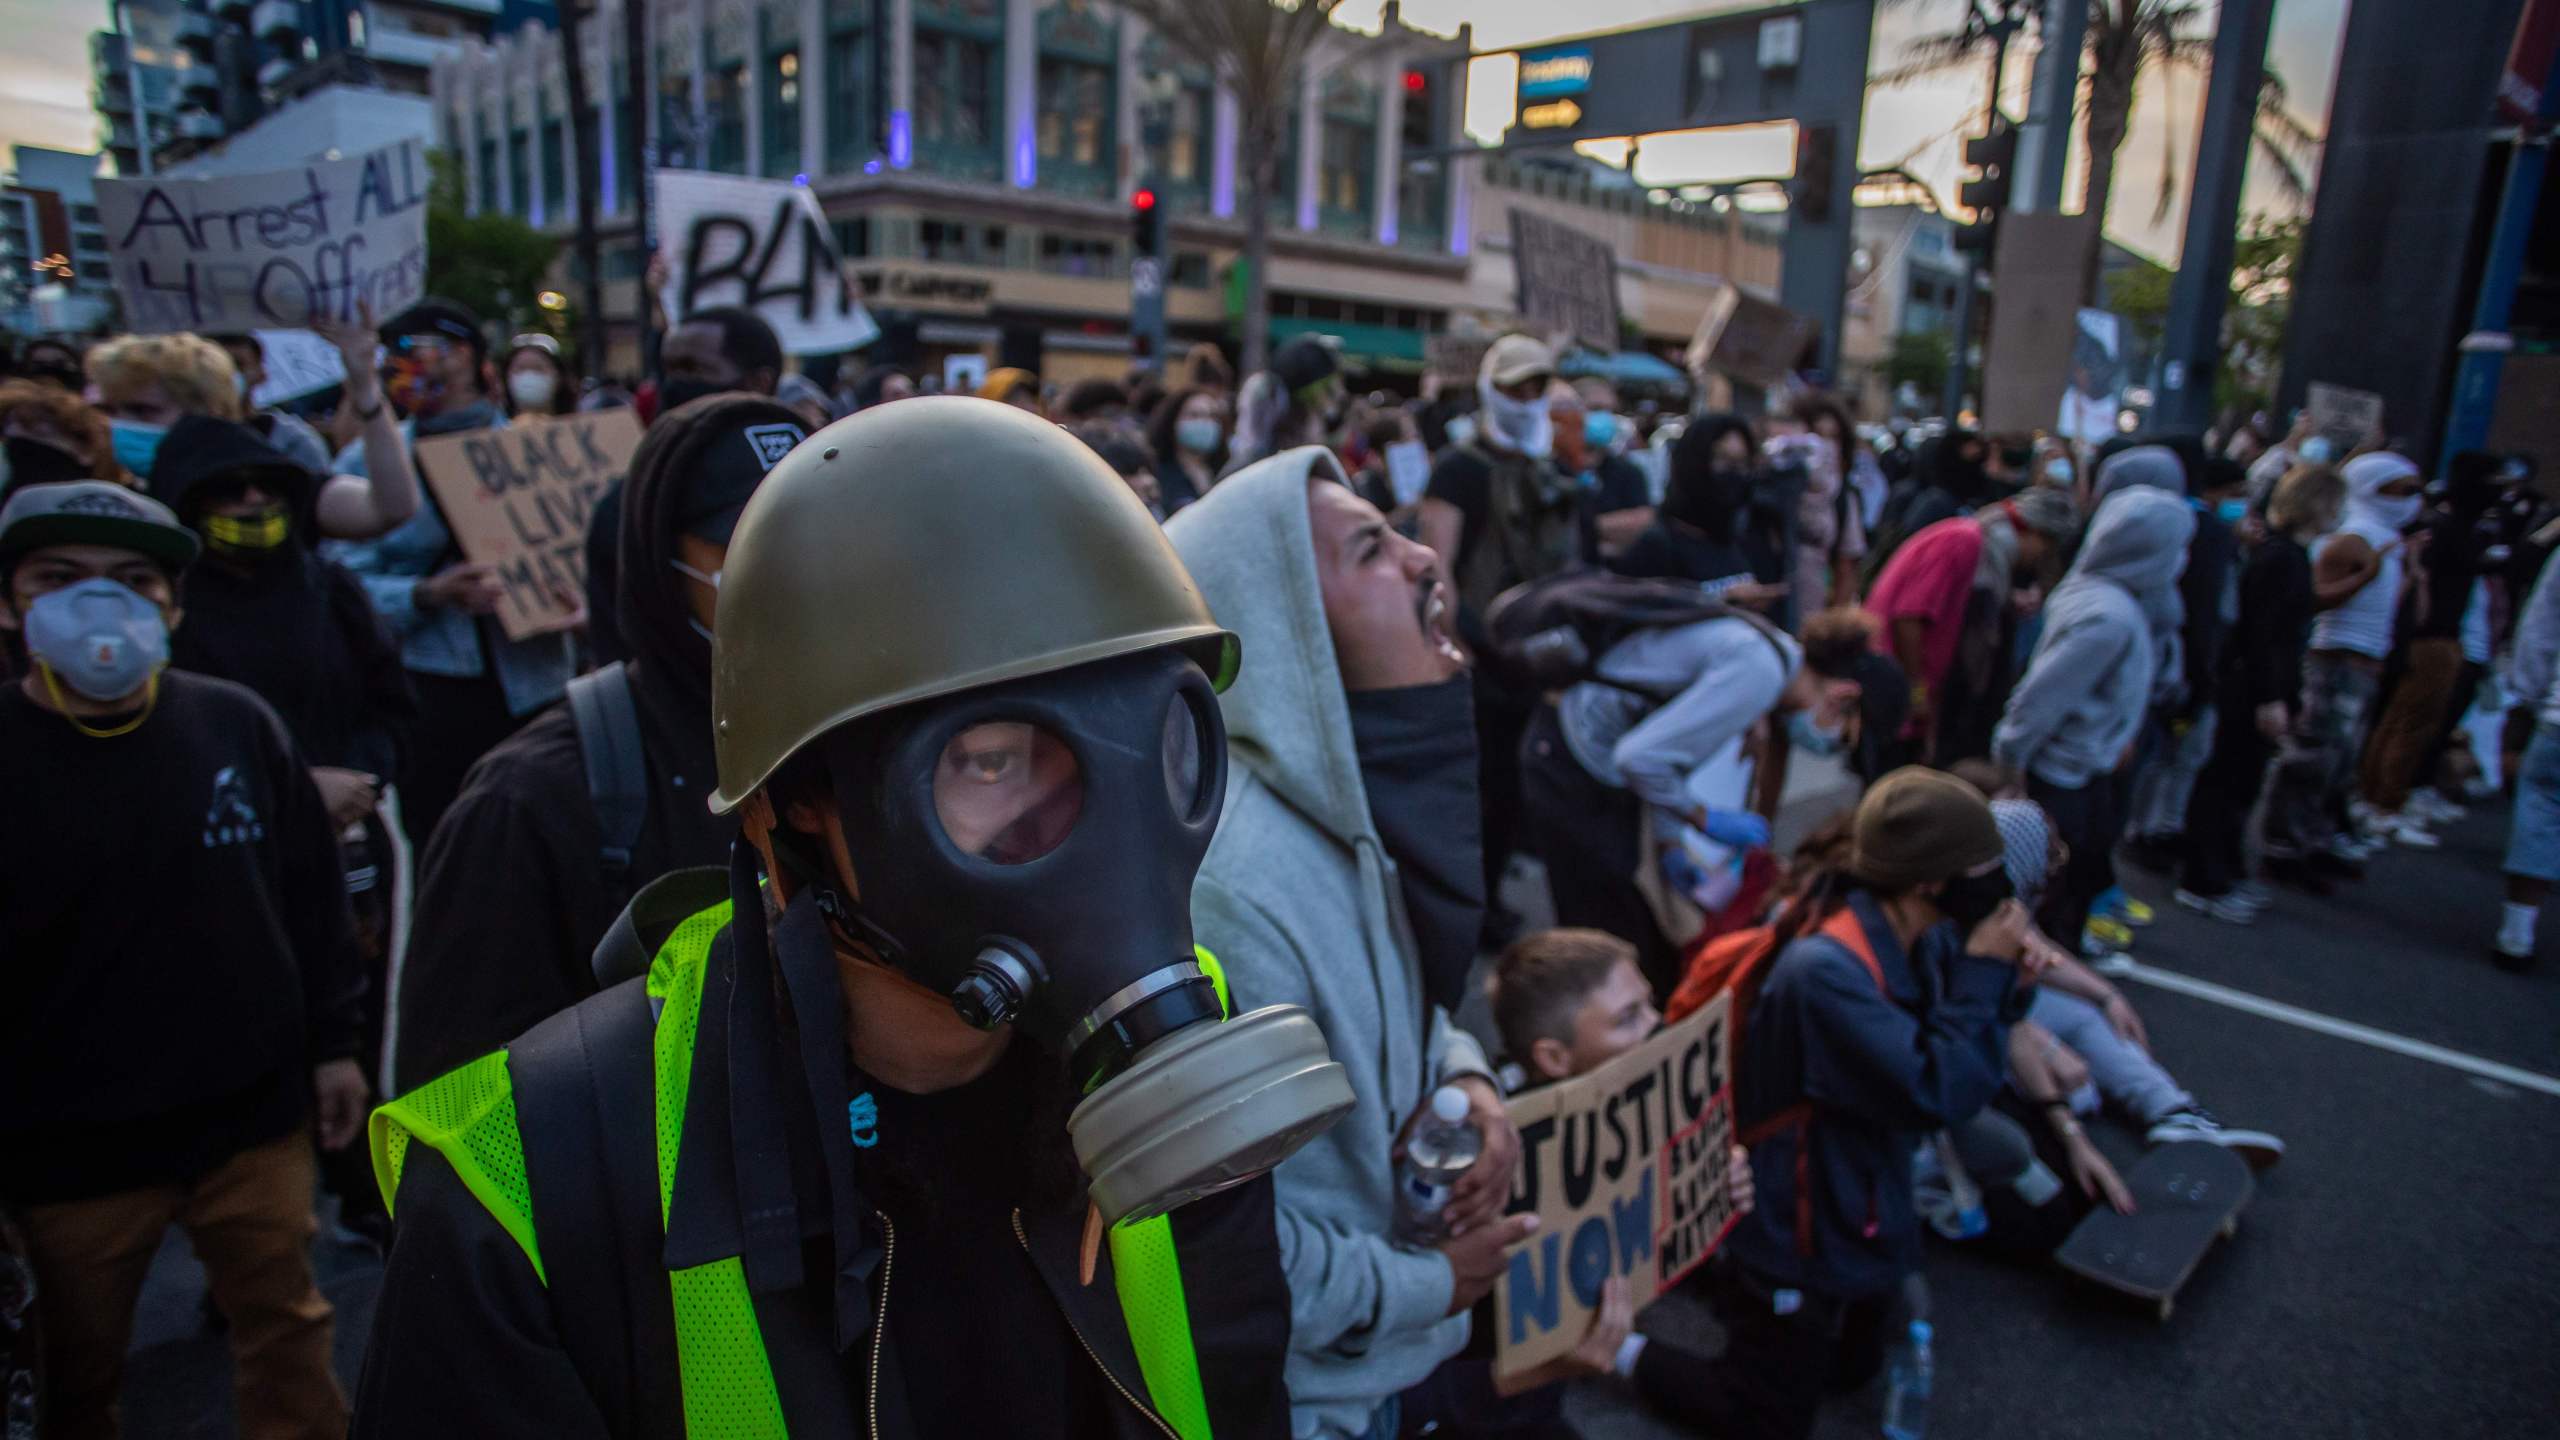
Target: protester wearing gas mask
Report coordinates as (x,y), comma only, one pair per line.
(974,783)
(1880,1022)
(1345,878)
(539,853)
(147,383)
(722,348)
(475,686)
(175,1025)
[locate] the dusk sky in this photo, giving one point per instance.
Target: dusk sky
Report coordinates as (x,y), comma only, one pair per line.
(44,93)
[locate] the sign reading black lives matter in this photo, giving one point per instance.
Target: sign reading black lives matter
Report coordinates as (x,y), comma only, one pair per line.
(1567,281)
(518,500)
(763,245)
(276,250)
(1625,1169)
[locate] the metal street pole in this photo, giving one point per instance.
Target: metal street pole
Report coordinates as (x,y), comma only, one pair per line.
(640,155)
(2192,344)
(1951,401)
(133,88)
(2484,349)
(2044,139)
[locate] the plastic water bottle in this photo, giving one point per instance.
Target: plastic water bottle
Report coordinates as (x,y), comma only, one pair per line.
(1444,1143)
(1906,1405)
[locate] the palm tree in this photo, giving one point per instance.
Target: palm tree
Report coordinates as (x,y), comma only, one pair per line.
(1258,50)
(2125,39)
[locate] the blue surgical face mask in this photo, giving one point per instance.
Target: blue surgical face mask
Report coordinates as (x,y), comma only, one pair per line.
(1462,429)
(2231,512)
(1810,737)
(1199,436)
(137,444)
(101,638)
(1600,429)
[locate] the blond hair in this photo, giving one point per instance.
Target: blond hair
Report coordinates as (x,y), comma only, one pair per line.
(196,374)
(2306,493)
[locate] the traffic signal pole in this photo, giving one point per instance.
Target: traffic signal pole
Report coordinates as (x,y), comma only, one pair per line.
(1998,29)
(2192,344)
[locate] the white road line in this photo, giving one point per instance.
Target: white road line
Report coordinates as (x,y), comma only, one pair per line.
(2342,1029)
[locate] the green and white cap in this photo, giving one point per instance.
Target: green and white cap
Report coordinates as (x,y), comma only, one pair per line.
(93,512)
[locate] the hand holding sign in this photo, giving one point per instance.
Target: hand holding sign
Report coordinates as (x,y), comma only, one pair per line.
(519,500)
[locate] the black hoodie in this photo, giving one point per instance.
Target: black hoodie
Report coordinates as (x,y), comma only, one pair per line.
(296,629)
(513,893)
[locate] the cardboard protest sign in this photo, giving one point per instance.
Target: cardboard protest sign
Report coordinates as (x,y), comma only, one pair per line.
(2348,417)
(2035,324)
(2092,396)
(1455,358)
(519,499)
(271,251)
(298,363)
(763,245)
(1750,339)
(1566,280)
(1625,1169)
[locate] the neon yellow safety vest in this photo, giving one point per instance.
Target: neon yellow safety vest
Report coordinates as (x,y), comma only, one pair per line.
(469,1117)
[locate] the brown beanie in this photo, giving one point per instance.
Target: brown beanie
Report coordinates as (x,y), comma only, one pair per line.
(1917,825)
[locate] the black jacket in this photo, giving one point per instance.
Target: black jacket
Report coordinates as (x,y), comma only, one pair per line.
(513,893)
(468,1341)
(2263,663)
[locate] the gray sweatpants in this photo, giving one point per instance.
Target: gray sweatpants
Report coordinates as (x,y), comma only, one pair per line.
(2122,1073)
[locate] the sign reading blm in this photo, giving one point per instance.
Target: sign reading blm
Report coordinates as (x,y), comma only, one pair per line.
(276,250)
(763,245)
(1567,281)
(1626,1169)
(518,500)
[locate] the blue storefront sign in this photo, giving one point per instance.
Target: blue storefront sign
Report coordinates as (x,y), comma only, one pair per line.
(1563,70)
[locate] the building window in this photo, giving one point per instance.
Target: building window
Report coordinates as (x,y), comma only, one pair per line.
(960,241)
(680,141)
(1078,255)
(849,140)
(519,173)
(724,98)
(781,101)
(555,183)
(1191,269)
(1075,125)
(488,173)
(85,214)
(1349,157)
(959,59)
(853,237)
(1284,168)
(94,270)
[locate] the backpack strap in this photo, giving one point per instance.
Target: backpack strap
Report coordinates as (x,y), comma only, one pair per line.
(1844,929)
(608,725)
(636,934)
(467,1115)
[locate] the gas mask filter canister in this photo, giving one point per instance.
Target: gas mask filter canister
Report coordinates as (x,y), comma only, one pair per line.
(1028,849)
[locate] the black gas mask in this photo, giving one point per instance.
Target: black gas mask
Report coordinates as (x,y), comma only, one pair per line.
(1028,849)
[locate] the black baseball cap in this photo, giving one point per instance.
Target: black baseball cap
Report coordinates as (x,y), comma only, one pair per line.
(93,512)
(444,318)
(729,463)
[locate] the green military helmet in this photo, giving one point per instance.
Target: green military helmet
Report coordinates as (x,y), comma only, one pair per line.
(926,547)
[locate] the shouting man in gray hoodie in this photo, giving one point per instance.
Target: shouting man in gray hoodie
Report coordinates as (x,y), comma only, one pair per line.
(2070,724)
(1346,878)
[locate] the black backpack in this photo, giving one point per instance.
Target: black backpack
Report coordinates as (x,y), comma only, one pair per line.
(1550,633)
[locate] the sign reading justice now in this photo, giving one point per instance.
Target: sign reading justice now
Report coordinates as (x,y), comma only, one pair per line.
(519,500)
(276,250)
(1626,1170)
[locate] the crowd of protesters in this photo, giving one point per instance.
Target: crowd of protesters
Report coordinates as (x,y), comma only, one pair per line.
(248,658)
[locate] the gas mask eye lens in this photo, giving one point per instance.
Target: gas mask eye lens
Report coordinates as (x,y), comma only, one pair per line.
(1007,791)
(1182,755)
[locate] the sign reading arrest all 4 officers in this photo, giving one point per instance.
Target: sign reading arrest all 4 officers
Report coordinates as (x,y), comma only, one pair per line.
(1625,1168)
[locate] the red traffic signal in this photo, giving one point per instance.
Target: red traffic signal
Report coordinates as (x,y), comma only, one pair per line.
(1415,81)
(1142,200)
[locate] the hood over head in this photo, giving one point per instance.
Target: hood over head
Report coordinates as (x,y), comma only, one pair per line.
(720,443)
(1698,494)
(2154,466)
(1250,547)
(1941,462)
(2138,541)
(2367,507)
(202,454)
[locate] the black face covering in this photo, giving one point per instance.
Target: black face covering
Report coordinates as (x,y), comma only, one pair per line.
(678,390)
(1028,849)
(1417,748)
(1969,900)
(33,462)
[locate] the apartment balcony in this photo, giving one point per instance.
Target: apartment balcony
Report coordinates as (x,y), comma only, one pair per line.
(408,47)
(196,31)
(199,125)
(279,22)
(234,9)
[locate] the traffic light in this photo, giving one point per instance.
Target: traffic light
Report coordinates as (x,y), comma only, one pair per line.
(1809,195)
(1421,106)
(1146,223)
(1992,158)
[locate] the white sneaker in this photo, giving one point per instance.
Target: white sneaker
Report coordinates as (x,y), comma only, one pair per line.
(2409,830)
(2433,808)
(2253,892)
(2107,962)
(2479,787)
(2225,908)
(2195,1122)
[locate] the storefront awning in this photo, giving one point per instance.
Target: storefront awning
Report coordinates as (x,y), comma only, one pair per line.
(1372,347)
(1625,367)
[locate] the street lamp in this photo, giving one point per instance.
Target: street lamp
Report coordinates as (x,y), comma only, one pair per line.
(552,300)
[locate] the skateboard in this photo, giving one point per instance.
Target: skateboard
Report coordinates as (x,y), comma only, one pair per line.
(2186,1195)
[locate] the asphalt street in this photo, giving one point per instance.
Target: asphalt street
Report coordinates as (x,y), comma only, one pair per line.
(2397,1276)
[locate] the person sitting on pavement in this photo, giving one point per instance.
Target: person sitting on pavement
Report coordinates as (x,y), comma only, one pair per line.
(1878,1024)
(1345,878)
(2070,724)
(180,1004)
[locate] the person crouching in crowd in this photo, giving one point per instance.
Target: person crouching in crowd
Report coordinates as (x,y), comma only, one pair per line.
(2070,725)
(1879,1023)
(175,1026)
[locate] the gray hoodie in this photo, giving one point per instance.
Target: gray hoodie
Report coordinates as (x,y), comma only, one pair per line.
(1300,903)
(2090,678)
